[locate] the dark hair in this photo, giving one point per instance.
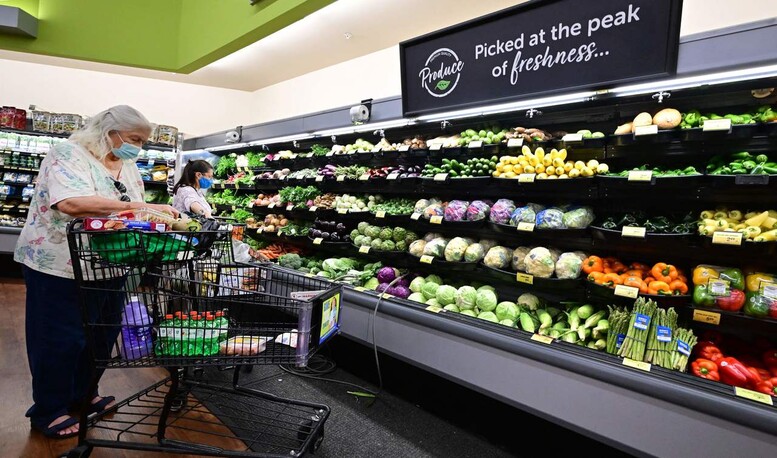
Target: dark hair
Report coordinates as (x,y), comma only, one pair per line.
(188,176)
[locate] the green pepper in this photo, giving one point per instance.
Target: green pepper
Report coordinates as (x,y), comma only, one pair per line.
(738,171)
(734,277)
(702,296)
(691,170)
(735,119)
(742,155)
(758,170)
(609,224)
(749,165)
(757,305)
(770,170)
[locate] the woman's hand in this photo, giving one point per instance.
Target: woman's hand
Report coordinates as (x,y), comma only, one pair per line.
(164,208)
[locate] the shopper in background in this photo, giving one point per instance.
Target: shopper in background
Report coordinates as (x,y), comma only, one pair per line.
(93,173)
(189,192)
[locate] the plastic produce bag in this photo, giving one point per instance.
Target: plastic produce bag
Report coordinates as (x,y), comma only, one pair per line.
(519,257)
(568,265)
(578,218)
(454,250)
(478,210)
(498,257)
(436,247)
(526,214)
(501,211)
(456,210)
(550,218)
(539,263)
(435,209)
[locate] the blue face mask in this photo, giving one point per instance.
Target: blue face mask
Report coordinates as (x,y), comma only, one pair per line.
(126,150)
(205,182)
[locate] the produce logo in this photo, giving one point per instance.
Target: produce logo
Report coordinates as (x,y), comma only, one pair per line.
(441,73)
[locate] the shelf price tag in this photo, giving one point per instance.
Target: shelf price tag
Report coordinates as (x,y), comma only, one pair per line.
(750,180)
(526,177)
(640,175)
(727,238)
(436,219)
(317,241)
(753,395)
(376,149)
(641,365)
(272,205)
(769,290)
(435,147)
(526,227)
(515,142)
(342,211)
(259,230)
(524,278)
(330,154)
(475,144)
(319,178)
(380,214)
(426,259)
(415,216)
(392,176)
(313,208)
(705,316)
(633,231)
(309,155)
(646,130)
(364,177)
(441,177)
(626,291)
(716,125)
(386,296)
(404,148)
(341,178)
(572,138)
(361,289)
(364,249)
(542,339)
(289,207)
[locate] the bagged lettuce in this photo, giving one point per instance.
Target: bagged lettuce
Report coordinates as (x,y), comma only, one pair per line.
(456,210)
(454,250)
(478,210)
(578,218)
(550,218)
(568,265)
(501,211)
(523,215)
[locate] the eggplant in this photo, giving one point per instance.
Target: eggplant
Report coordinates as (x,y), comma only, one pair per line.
(316,233)
(325,235)
(334,237)
(340,227)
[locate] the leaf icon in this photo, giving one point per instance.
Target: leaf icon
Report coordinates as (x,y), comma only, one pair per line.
(443,85)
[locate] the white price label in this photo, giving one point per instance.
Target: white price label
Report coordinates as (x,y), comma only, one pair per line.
(364,249)
(526,177)
(526,227)
(330,154)
(289,207)
(320,178)
(364,177)
(633,231)
(380,214)
(404,148)
(475,144)
(727,238)
(272,205)
(441,177)
(515,142)
(436,219)
(342,211)
(426,259)
(572,138)
(713,125)
(415,216)
(392,176)
(317,241)
(313,208)
(376,149)
(435,147)
(640,175)
(341,178)
(646,130)
(626,291)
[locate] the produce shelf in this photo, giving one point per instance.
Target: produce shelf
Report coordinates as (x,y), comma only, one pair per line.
(445,266)
(714,318)
(606,294)
(537,283)
(754,182)
(552,234)
(747,248)
(740,131)
(600,233)
(661,136)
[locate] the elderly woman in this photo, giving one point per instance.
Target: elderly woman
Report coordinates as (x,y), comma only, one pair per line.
(93,173)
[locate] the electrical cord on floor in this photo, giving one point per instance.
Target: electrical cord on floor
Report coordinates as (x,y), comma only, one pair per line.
(327,366)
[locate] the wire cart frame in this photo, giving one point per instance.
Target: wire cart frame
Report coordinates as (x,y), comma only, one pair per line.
(180,301)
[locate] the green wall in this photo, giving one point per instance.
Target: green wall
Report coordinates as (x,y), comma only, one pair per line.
(170,35)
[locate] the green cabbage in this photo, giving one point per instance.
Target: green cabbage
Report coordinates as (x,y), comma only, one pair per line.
(418,297)
(486,300)
(372,283)
(451,308)
(372,231)
(466,297)
(509,323)
(488,316)
(471,313)
(446,294)
(434,279)
(417,284)
(429,289)
(507,311)
(486,288)
(433,302)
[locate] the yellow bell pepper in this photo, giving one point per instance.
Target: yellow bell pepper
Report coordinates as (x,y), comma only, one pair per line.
(702,275)
(753,281)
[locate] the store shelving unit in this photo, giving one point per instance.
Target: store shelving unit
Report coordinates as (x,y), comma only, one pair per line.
(588,391)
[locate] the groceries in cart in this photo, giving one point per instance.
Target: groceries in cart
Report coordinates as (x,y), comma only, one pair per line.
(144,219)
(193,334)
(243,346)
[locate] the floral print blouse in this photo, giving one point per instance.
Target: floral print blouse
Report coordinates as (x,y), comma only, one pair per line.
(67,171)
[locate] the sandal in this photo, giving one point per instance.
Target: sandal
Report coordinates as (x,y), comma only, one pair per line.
(52,432)
(99,406)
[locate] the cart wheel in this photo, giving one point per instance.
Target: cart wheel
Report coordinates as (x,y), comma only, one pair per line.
(179,401)
(305,428)
(317,441)
(82,451)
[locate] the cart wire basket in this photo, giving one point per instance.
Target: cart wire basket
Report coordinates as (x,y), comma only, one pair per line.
(179,300)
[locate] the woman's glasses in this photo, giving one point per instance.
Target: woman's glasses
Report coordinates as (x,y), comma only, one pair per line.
(122,189)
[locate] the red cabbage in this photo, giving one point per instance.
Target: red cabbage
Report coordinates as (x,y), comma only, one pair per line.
(387,274)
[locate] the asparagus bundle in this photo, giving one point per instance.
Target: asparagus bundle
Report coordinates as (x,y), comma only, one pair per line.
(633,346)
(683,342)
(619,322)
(660,338)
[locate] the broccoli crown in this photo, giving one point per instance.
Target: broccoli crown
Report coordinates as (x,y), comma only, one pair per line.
(290,260)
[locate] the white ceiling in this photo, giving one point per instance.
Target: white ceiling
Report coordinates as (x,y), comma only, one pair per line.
(315,42)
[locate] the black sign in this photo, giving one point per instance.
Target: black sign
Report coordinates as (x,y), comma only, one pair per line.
(541,47)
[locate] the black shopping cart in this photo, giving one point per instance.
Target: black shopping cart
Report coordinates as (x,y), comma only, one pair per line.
(178,300)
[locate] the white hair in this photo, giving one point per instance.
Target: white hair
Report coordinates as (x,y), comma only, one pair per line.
(94,135)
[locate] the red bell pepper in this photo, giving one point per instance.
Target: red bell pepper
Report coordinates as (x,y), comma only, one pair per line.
(766,386)
(732,372)
(769,357)
(733,302)
(708,350)
(705,368)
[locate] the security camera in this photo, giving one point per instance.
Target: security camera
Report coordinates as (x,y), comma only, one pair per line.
(233,136)
(360,114)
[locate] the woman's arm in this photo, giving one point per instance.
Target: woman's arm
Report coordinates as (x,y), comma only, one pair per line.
(198,209)
(100,206)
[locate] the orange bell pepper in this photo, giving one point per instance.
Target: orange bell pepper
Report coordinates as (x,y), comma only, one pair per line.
(611,279)
(705,368)
(679,287)
(632,280)
(659,287)
(596,277)
(662,271)
(635,273)
(593,264)
(639,266)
